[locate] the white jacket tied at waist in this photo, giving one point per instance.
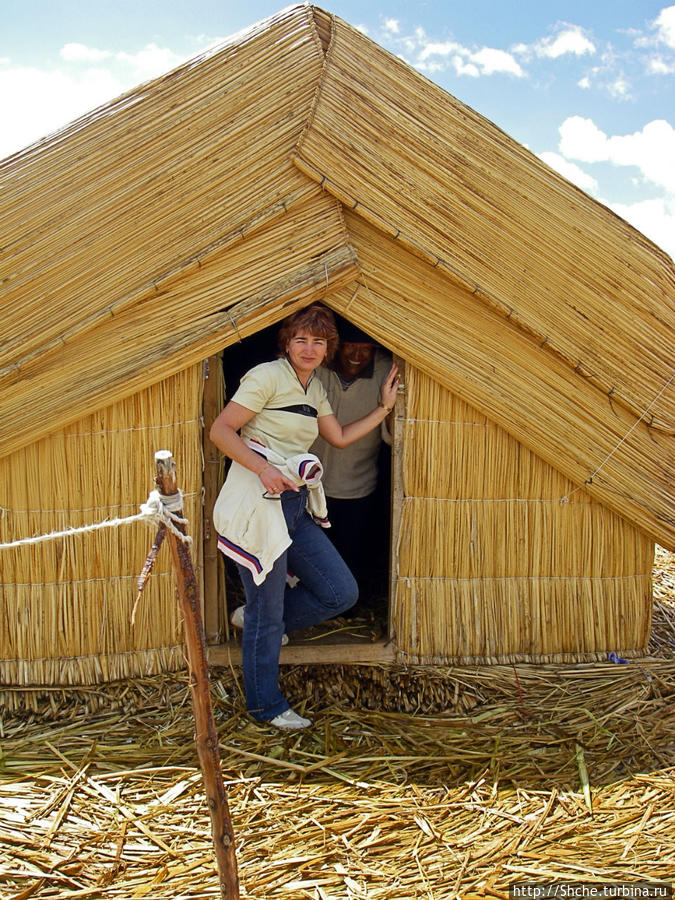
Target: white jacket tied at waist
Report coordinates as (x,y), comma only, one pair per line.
(250,522)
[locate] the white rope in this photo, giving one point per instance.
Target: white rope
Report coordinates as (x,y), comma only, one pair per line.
(415,420)
(158,509)
(234,324)
(590,478)
(131,428)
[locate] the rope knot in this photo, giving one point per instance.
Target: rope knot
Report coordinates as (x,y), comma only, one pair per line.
(163,509)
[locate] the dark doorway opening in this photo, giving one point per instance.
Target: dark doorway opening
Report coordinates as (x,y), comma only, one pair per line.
(371,615)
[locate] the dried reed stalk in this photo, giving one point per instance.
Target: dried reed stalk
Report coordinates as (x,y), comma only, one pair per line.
(530,393)
(66,604)
(413,782)
(145,185)
(298,258)
(490,216)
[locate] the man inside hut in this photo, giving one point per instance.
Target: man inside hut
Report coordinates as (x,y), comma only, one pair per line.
(355,480)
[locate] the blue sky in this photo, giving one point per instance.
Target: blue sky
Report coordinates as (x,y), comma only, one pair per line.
(588,86)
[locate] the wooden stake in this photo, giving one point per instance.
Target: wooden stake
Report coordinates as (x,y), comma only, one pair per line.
(206,738)
(396,428)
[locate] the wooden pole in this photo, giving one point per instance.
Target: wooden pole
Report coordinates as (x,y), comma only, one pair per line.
(396,493)
(206,737)
(214,591)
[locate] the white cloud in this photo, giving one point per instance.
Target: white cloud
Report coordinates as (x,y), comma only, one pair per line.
(79,53)
(571,171)
(149,62)
(493,61)
(465,68)
(432,56)
(658,66)
(619,88)
(436,56)
(38,102)
(582,139)
(651,150)
(571,39)
(665,26)
(654,218)
(437,48)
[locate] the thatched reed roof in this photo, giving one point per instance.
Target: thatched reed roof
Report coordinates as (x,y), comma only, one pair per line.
(211,201)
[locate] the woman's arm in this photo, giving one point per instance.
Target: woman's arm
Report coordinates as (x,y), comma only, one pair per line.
(344,435)
(224,435)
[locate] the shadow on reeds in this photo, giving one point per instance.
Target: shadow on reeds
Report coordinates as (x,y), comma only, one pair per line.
(529,725)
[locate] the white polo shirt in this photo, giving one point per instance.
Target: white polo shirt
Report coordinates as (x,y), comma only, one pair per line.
(286,414)
(251,529)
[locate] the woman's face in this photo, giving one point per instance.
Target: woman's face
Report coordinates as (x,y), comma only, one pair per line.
(306,352)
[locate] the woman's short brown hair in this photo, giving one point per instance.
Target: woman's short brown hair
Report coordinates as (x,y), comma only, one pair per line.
(317,320)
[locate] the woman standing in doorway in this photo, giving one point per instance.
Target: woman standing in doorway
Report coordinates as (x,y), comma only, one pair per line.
(263,513)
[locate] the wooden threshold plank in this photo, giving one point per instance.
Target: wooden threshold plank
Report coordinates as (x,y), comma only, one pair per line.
(313,653)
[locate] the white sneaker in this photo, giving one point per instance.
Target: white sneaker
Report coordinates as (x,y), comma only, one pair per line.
(237,619)
(290,721)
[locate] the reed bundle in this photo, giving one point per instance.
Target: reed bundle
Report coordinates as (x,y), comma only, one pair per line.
(298,258)
(66,603)
(100,212)
(481,788)
(463,345)
(491,565)
(435,175)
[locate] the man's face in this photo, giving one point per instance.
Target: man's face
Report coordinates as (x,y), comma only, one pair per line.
(352,358)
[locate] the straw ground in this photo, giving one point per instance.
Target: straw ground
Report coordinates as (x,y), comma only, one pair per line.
(413,783)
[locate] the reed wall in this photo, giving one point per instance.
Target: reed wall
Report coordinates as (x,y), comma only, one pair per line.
(493,566)
(66,604)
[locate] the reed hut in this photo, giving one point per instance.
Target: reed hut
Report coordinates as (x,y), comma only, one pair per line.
(301,162)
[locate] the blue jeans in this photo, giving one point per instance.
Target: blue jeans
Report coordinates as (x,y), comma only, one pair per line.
(326,589)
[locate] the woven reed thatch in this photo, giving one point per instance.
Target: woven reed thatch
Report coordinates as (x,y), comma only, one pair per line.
(492,566)
(559,270)
(514,381)
(302,162)
(100,216)
(67,603)
(492,217)
(297,259)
